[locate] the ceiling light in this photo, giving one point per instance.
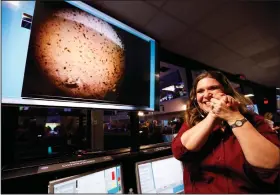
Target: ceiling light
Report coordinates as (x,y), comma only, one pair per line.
(170,88)
(249,95)
(140,113)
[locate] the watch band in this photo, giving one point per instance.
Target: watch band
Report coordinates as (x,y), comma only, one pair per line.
(238,123)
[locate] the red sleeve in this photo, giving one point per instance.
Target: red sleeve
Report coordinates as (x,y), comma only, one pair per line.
(178,149)
(260,175)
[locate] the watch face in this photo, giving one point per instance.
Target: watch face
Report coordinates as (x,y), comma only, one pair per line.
(238,123)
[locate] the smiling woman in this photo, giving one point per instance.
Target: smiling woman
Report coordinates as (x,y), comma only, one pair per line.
(205,86)
(219,144)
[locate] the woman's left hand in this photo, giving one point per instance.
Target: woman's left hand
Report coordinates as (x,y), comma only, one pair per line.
(226,108)
(230,101)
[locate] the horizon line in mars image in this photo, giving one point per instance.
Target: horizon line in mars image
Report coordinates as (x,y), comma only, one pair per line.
(80,54)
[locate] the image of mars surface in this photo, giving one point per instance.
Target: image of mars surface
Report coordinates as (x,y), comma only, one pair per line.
(75,55)
(79,53)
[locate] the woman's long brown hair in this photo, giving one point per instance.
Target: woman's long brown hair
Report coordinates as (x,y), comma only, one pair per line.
(192,114)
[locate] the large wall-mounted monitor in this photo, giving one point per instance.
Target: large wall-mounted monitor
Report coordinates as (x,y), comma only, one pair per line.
(69,54)
(153,176)
(108,181)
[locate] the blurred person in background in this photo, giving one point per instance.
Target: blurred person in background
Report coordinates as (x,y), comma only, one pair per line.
(268,116)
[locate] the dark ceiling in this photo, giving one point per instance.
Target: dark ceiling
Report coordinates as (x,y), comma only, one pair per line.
(231,35)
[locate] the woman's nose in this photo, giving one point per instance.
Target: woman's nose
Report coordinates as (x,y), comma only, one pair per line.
(208,94)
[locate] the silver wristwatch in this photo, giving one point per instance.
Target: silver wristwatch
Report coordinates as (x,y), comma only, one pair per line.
(238,123)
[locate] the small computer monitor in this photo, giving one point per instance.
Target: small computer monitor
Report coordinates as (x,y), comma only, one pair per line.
(108,181)
(156,176)
(253,108)
(256,110)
